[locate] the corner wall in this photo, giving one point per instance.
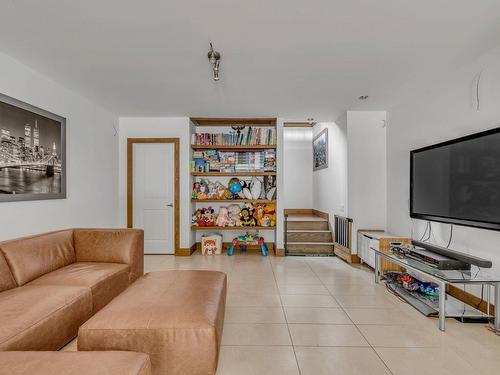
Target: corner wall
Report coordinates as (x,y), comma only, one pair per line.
(297,168)
(330,184)
(366,166)
(92,157)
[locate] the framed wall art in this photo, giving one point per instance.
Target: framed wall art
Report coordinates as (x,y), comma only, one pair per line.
(32,152)
(320,150)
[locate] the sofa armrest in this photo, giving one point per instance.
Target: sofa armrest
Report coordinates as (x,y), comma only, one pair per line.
(112,246)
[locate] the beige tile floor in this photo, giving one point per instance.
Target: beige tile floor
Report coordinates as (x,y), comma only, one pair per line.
(315,316)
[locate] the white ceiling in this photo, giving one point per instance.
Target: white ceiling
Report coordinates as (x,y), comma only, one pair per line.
(290,58)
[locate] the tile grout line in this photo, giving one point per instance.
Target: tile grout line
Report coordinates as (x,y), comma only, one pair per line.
(355,325)
(286,320)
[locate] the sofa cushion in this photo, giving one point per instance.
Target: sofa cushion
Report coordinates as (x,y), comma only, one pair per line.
(106,280)
(6,279)
(75,363)
(31,257)
(42,317)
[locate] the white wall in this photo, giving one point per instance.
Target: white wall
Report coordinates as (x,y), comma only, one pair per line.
(297,168)
(91,158)
(171,127)
(367,190)
(330,184)
(443,112)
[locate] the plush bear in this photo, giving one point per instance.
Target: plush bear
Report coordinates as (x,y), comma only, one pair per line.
(234,214)
(270,210)
(220,190)
(246,217)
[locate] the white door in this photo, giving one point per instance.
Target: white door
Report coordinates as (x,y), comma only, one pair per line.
(153,195)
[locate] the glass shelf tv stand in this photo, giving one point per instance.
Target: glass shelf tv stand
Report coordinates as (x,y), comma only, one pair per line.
(474,276)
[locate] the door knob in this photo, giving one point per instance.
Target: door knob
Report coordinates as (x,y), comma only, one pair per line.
(170,205)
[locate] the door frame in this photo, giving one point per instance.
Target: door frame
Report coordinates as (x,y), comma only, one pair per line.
(130,182)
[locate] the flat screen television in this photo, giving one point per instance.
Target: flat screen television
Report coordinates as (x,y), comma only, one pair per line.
(458,181)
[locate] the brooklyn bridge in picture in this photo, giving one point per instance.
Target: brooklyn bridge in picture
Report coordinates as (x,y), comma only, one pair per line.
(30,153)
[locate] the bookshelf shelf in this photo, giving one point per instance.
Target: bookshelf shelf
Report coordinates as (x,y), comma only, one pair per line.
(232,174)
(236,147)
(265,201)
(195,227)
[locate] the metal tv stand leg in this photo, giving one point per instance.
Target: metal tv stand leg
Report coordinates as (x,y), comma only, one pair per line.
(377,268)
(442,306)
(497,306)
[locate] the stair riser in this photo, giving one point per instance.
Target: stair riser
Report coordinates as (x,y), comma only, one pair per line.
(312,251)
(310,237)
(307,225)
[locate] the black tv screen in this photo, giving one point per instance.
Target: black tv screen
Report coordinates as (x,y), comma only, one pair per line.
(458,181)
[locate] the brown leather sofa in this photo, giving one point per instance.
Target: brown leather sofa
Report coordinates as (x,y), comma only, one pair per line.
(74,363)
(50,284)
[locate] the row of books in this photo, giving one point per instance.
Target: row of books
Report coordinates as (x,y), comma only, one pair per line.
(230,162)
(247,137)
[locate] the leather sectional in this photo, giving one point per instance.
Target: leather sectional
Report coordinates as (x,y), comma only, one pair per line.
(50,284)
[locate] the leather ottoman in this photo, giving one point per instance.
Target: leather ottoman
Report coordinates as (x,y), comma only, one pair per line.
(74,363)
(174,316)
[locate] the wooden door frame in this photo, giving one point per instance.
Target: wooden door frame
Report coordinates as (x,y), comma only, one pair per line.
(130,182)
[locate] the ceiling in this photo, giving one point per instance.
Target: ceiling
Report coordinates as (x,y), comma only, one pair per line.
(295,59)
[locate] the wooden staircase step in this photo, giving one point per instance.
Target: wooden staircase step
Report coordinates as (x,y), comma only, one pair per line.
(307,225)
(309,236)
(306,248)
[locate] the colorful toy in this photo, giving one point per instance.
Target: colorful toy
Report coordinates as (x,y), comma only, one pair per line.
(270,211)
(246,217)
(234,215)
(196,218)
(234,185)
(223,219)
(202,192)
(208,217)
(248,239)
(259,214)
(196,188)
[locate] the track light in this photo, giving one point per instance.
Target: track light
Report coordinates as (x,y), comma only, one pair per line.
(214,59)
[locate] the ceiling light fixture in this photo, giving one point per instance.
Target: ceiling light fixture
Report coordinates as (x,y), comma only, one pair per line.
(363,97)
(214,59)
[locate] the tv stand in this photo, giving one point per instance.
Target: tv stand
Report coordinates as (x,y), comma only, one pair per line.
(475,276)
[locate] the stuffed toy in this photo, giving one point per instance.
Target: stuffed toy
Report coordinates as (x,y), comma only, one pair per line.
(220,190)
(196,188)
(212,190)
(223,219)
(196,219)
(246,217)
(259,213)
(234,215)
(203,190)
(270,210)
(208,217)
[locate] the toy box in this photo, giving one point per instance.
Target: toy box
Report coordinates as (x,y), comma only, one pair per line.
(211,244)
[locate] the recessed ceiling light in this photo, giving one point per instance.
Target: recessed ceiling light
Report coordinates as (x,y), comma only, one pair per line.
(363,97)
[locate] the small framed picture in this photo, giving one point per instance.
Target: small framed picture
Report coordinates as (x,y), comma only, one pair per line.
(32,152)
(320,150)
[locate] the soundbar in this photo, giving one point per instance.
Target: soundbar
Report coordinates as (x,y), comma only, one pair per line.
(466,258)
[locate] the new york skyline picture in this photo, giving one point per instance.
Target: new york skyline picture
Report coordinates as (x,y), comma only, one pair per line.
(32,152)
